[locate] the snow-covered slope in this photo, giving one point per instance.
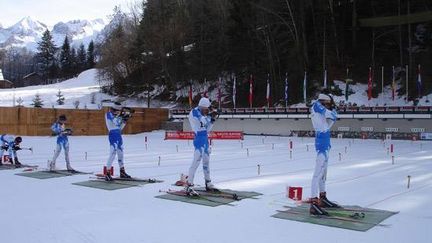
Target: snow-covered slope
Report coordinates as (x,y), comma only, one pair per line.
(27,32)
(84,88)
(55,210)
(360,97)
(81,88)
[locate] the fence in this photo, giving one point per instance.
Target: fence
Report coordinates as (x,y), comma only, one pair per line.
(37,121)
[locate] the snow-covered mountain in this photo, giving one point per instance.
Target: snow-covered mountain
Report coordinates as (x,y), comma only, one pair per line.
(27,32)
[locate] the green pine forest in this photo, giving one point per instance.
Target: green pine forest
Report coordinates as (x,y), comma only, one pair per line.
(173,42)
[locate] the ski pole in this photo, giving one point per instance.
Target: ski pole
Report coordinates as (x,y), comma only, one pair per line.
(30,149)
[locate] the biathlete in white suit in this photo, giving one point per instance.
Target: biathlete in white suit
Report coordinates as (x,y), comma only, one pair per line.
(323,116)
(201,120)
(115,122)
(10,144)
(62,133)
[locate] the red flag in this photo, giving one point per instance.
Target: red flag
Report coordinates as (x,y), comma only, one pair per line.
(250,91)
(370,84)
(190,95)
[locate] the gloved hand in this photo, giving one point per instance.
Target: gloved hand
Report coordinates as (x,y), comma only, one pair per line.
(16,147)
(5,147)
(67,131)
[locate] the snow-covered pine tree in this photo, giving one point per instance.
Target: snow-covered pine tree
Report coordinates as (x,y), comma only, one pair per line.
(76,103)
(20,102)
(93,98)
(60,98)
(37,101)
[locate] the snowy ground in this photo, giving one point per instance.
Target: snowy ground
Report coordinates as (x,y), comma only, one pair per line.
(54,210)
(85,89)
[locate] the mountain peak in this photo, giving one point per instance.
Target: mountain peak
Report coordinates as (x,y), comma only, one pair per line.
(28,31)
(26,25)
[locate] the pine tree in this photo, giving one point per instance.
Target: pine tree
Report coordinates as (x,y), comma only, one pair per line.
(20,102)
(90,55)
(37,101)
(74,60)
(60,98)
(65,58)
(81,58)
(46,53)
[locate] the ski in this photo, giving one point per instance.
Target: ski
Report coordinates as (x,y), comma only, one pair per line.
(183,193)
(217,193)
(12,166)
(101,177)
(354,220)
(67,172)
(343,208)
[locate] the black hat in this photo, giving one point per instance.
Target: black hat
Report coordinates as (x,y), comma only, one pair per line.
(62,118)
(18,139)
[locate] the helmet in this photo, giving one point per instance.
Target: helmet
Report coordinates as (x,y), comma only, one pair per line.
(325,97)
(18,140)
(62,118)
(204,102)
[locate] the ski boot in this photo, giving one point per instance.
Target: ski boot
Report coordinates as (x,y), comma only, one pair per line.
(69,168)
(17,163)
(210,187)
(108,176)
(51,165)
(325,203)
(315,209)
(123,173)
(189,190)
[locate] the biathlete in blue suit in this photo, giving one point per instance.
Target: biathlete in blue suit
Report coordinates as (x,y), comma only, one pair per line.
(10,144)
(115,121)
(62,133)
(201,120)
(323,116)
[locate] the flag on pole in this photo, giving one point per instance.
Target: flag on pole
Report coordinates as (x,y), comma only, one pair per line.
(419,81)
(190,94)
(250,90)
(234,91)
(370,84)
(268,90)
(304,88)
(325,78)
(347,80)
(393,83)
(286,89)
(219,92)
(205,92)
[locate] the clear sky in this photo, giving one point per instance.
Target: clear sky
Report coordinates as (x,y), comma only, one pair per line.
(51,12)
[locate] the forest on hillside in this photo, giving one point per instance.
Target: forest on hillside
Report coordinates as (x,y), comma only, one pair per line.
(176,42)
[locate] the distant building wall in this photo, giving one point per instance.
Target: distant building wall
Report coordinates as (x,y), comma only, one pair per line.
(37,121)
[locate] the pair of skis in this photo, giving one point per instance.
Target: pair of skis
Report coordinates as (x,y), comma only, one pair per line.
(13,166)
(204,194)
(120,179)
(355,215)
